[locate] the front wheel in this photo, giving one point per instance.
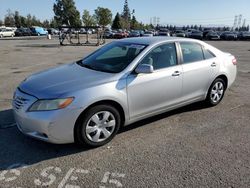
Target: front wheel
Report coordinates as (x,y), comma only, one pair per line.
(98,126)
(216,92)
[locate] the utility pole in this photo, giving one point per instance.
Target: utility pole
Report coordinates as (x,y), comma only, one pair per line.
(235,22)
(239,21)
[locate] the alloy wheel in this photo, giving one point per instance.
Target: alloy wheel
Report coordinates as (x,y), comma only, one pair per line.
(217,92)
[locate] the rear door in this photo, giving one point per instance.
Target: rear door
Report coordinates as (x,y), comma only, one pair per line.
(199,68)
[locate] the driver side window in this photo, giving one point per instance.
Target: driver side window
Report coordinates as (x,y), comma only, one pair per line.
(162,56)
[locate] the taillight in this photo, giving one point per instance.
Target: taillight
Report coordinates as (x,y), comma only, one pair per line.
(234,61)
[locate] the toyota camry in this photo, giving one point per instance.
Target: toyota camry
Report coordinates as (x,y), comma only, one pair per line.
(125,81)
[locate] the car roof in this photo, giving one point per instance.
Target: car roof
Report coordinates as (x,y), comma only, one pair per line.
(155,40)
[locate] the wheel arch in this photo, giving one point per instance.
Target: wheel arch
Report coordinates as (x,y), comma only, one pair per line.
(113,103)
(224,78)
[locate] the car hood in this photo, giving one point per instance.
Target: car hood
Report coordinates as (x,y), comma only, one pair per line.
(63,80)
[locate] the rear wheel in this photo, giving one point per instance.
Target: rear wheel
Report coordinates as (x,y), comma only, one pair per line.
(216,92)
(1,36)
(98,126)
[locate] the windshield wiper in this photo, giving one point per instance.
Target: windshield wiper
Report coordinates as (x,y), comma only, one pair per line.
(84,65)
(80,62)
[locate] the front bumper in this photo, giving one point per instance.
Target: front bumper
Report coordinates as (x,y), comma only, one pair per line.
(56,126)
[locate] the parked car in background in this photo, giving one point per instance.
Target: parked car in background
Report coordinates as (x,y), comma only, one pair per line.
(121,34)
(164,32)
(38,31)
(179,33)
(141,32)
(244,35)
(153,31)
(6,32)
(228,35)
(134,34)
(108,34)
(188,32)
(206,32)
(53,31)
(148,34)
(23,32)
(195,34)
(123,82)
(85,31)
(212,35)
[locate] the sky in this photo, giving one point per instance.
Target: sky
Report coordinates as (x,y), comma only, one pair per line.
(179,12)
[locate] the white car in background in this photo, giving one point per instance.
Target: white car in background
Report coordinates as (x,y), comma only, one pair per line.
(148,34)
(6,32)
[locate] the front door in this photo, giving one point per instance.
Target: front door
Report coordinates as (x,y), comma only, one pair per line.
(153,92)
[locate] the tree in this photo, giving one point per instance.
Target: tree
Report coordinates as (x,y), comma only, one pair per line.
(200,28)
(17,19)
(53,23)
(66,13)
(46,24)
(9,20)
(28,20)
(1,22)
(117,22)
(35,21)
(87,19)
(126,15)
(133,23)
(103,16)
(23,21)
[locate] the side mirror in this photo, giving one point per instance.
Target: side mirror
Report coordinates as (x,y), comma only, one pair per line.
(144,68)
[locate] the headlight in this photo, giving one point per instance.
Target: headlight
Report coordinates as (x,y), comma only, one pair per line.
(54,104)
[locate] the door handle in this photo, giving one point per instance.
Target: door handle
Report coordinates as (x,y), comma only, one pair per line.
(176,73)
(213,64)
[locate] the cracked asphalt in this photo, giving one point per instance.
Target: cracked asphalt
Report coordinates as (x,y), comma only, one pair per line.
(193,146)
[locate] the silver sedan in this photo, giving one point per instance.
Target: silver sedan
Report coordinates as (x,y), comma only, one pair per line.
(125,81)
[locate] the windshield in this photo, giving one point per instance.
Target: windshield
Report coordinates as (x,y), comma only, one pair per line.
(112,58)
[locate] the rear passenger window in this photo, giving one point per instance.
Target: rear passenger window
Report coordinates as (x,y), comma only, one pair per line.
(208,54)
(162,56)
(191,52)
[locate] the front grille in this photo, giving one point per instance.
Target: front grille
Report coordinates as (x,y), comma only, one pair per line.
(19,102)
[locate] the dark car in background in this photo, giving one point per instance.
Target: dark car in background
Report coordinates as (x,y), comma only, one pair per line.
(23,32)
(228,35)
(244,35)
(205,32)
(134,34)
(109,34)
(164,32)
(212,35)
(195,34)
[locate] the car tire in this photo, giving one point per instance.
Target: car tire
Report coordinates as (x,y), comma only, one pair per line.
(1,36)
(216,92)
(102,123)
